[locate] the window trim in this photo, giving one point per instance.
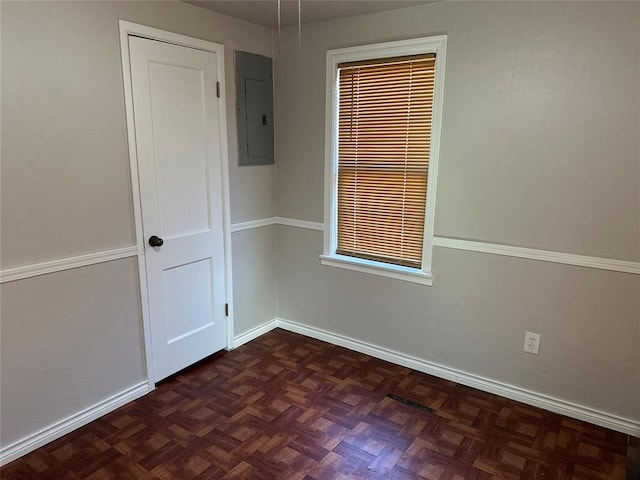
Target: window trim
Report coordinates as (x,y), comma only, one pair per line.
(433,44)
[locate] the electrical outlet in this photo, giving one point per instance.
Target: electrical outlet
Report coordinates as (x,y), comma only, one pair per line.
(531,342)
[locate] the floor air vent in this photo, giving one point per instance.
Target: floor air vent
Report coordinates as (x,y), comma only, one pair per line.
(410,403)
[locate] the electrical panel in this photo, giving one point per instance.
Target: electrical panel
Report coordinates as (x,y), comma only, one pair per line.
(254,109)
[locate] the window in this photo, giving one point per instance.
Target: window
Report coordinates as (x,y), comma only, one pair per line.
(383,119)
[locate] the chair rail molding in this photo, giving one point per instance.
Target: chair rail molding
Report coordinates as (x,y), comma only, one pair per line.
(611,264)
(292,222)
(614,265)
(58,265)
(251,224)
(264,222)
(61,264)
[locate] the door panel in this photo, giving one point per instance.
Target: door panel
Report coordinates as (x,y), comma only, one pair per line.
(176,114)
(187,298)
(179,147)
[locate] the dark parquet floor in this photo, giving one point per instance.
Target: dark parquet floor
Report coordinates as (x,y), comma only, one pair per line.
(287,407)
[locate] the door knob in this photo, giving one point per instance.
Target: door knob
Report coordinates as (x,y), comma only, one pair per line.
(155,241)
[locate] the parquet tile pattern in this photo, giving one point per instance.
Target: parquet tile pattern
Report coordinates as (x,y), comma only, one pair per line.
(287,407)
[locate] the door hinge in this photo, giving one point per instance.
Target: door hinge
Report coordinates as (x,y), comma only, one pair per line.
(218,89)
(226,309)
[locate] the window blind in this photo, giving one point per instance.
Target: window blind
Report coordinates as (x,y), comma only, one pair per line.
(384,134)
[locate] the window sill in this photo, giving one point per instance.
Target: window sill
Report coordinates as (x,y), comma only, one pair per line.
(377,268)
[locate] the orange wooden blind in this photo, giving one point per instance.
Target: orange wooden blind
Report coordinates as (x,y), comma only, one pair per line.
(384,134)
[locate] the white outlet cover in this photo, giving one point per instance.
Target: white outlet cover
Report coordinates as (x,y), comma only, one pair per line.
(531,343)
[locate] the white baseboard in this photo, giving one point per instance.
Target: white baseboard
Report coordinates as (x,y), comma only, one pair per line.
(597,417)
(563,407)
(254,333)
(66,425)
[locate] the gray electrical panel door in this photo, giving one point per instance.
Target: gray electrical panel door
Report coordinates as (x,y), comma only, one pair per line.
(254,103)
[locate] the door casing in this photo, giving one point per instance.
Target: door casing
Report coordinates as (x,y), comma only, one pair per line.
(127,29)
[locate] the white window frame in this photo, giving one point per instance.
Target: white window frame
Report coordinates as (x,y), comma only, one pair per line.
(417,46)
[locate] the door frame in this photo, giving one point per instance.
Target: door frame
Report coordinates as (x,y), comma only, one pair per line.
(127,29)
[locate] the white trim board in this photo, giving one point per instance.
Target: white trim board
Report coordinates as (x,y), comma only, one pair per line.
(254,333)
(543,255)
(79,419)
(289,222)
(563,407)
(262,222)
(59,265)
(614,265)
(292,222)
(72,422)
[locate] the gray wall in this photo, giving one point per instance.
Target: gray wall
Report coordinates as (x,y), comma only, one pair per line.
(72,339)
(540,149)
(69,340)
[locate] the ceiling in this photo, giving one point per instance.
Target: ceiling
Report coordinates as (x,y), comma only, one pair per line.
(265,12)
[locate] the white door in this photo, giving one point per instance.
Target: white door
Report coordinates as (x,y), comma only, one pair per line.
(176,116)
